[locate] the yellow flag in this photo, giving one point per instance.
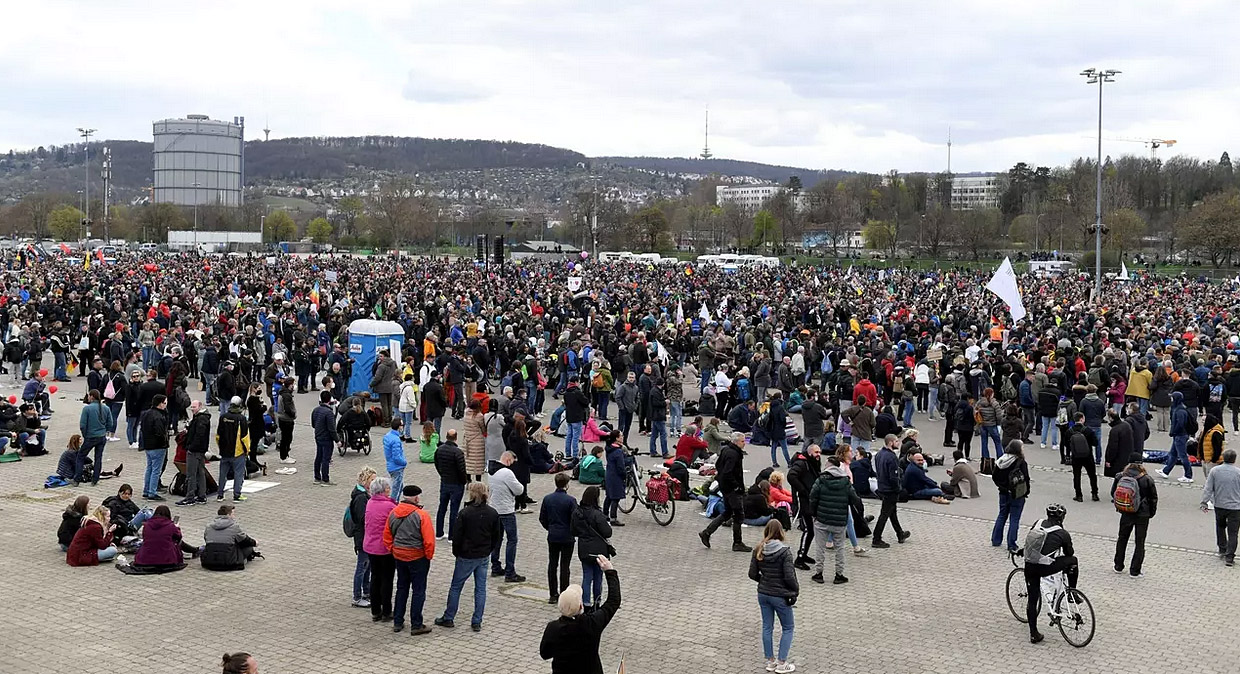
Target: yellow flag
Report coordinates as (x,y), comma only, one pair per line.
(86,262)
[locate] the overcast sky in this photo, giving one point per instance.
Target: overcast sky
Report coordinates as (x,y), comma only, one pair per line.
(853,85)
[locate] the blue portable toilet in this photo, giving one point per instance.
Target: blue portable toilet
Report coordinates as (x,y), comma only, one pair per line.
(366,338)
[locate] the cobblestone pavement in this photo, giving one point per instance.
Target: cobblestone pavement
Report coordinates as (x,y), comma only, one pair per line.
(935,604)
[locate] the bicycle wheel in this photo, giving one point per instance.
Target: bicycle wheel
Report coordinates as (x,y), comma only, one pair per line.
(663,513)
(1076,617)
(1017,594)
(629,501)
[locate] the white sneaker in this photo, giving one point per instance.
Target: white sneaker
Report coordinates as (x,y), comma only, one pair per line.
(113,438)
(785,668)
(289,461)
(1042,445)
(442,538)
(771,665)
(1185,480)
(1161,474)
(860,551)
(133,445)
(286,471)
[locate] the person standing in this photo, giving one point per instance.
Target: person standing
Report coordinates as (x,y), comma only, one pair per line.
(1136,500)
(1209,450)
(771,567)
(382,564)
(410,536)
(1080,443)
(232,437)
(571,642)
(358,499)
(474,433)
(286,416)
(556,516)
(590,526)
(383,382)
(154,441)
(731,478)
(576,408)
(323,420)
(658,417)
(831,500)
(1183,424)
(1223,490)
(776,428)
(861,419)
(887,472)
(94,422)
(394,455)
(435,400)
(505,488)
(197,442)
(477,531)
(802,474)
(450,464)
(626,404)
(1011,477)
(613,478)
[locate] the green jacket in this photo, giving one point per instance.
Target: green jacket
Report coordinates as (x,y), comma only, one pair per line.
(830,497)
(591,470)
(426,450)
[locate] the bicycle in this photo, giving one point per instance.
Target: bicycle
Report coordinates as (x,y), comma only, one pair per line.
(1070,610)
(663,513)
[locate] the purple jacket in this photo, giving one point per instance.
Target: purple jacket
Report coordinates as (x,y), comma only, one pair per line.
(377,510)
(161,543)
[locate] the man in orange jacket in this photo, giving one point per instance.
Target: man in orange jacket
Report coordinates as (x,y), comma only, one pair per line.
(410,535)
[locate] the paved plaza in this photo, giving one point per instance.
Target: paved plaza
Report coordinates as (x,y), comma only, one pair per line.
(934,604)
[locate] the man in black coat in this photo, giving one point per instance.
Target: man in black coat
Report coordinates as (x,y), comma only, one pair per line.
(475,532)
(1140,432)
(571,643)
(450,464)
(731,478)
(802,473)
(1120,446)
(197,441)
(435,399)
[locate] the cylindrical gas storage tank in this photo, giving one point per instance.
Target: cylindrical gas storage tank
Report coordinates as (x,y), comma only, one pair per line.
(198,161)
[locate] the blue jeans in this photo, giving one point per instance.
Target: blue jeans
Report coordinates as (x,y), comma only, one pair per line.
(531,395)
(361,577)
(991,433)
(658,431)
(927,493)
(509,524)
(1009,513)
(407,421)
(398,479)
(115,407)
(410,575)
(934,401)
(143,515)
(591,582)
(131,427)
(476,567)
(208,384)
(62,361)
(1145,405)
(1097,430)
(1049,427)
(1178,454)
(42,435)
(624,421)
(154,468)
(782,442)
(677,420)
(237,464)
(450,502)
(771,607)
(148,357)
(858,444)
(88,444)
(601,400)
(107,554)
(757,521)
(908,415)
(572,438)
(707,374)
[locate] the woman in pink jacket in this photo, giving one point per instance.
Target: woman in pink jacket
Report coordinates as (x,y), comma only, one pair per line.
(590,432)
(382,564)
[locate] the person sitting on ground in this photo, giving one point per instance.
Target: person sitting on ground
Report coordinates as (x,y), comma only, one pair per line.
(918,484)
(758,509)
(66,465)
(963,481)
(781,496)
(29,433)
(690,447)
(239,663)
(743,416)
(161,544)
(591,431)
(126,515)
(885,423)
(862,467)
(92,543)
(227,548)
(592,470)
(71,521)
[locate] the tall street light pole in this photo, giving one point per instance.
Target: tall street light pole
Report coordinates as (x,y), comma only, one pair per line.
(1099,77)
(86,134)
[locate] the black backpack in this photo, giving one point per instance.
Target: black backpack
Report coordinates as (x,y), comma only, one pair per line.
(1080,447)
(1190,426)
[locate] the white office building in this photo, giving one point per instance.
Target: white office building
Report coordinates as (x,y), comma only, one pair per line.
(751,197)
(975,192)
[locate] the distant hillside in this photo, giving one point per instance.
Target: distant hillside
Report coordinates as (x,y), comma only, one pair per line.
(729,167)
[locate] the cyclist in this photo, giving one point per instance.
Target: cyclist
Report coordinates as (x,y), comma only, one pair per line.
(1048,551)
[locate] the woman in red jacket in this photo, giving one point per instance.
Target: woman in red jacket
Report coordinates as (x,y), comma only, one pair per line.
(93,542)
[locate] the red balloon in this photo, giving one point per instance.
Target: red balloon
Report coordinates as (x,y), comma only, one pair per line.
(43,372)
(206,267)
(12,400)
(52,389)
(130,272)
(151,267)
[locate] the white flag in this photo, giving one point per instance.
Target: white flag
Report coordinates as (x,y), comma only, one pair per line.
(574,283)
(1123,271)
(849,272)
(1004,285)
(704,313)
(680,312)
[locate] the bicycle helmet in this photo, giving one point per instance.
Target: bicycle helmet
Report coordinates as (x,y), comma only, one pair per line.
(1056,512)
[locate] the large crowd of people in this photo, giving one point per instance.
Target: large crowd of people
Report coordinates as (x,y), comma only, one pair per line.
(858,355)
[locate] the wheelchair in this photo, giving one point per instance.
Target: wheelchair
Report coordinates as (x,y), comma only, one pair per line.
(356,439)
